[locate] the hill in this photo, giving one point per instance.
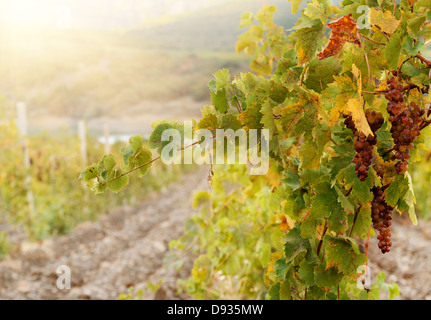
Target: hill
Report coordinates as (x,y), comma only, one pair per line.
(214,28)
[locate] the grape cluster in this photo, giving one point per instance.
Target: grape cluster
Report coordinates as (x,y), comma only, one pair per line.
(406,123)
(381,216)
(363,144)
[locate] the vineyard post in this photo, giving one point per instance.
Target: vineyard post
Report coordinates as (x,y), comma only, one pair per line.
(83,140)
(21,111)
(107,142)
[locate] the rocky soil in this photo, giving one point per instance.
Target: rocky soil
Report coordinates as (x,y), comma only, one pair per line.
(124,248)
(128,247)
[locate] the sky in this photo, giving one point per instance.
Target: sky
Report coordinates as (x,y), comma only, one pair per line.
(94,14)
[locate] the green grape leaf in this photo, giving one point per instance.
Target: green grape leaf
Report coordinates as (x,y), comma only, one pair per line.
(345,203)
(246,20)
(396,190)
(323,202)
(155,139)
(413,48)
(222,78)
(109,162)
(120,181)
(306,272)
(274,292)
(136,143)
(316,10)
(251,117)
(327,277)
(210,122)
(384,20)
(309,41)
(268,118)
(293,243)
(89,173)
(285,291)
(393,50)
(230,121)
(343,253)
(294,5)
(220,101)
(363,221)
(414,25)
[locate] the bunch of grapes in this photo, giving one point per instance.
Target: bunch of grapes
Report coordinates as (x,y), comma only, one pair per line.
(406,123)
(381,216)
(363,144)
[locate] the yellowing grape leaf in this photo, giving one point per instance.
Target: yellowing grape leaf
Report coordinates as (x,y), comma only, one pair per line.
(384,20)
(344,30)
(411,200)
(308,41)
(354,106)
(357,73)
(343,253)
(294,5)
(339,91)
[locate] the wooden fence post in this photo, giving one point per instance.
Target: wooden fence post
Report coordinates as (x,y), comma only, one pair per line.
(82,133)
(107,142)
(21,112)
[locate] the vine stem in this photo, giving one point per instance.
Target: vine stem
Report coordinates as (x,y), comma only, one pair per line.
(238,106)
(406,88)
(298,296)
(425,124)
(319,246)
(375,92)
(227,258)
(424,60)
(129,172)
(354,219)
(348,192)
(145,164)
(366,253)
(373,41)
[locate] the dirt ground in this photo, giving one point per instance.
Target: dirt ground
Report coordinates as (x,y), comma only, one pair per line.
(126,247)
(123,248)
(409,262)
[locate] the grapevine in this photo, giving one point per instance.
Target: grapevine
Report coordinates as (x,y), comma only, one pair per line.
(364,144)
(381,214)
(346,118)
(406,123)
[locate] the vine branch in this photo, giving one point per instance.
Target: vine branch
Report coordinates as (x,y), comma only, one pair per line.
(146,164)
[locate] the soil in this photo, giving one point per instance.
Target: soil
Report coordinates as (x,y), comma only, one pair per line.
(124,248)
(128,247)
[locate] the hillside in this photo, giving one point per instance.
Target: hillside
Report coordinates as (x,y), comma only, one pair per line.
(214,28)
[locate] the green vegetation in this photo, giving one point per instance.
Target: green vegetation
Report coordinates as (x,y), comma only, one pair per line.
(346,117)
(60,201)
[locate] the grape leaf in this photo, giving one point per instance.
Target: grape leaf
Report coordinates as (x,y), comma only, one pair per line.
(308,41)
(343,254)
(306,272)
(294,5)
(327,277)
(355,107)
(222,78)
(393,50)
(120,181)
(344,30)
(384,20)
(410,199)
